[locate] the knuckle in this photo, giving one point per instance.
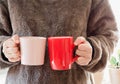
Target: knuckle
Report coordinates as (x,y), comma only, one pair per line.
(89,58)
(7,56)
(90,48)
(77,51)
(86,63)
(4,44)
(82,37)
(3,50)
(78,62)
(78,37)
(79,46)
(11,60)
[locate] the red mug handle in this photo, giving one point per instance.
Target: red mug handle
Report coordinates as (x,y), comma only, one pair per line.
(75,56)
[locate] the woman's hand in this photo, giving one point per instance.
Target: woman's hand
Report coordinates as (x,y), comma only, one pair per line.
(11,49)
(84,51)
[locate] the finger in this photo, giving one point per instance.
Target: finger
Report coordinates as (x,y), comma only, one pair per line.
(12,55)
(85,47)
(14,59)
(82,61)
(82,53)
(9,43)
(12,50)
(16,39)
(79,40)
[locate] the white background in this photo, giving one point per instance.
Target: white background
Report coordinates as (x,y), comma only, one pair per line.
(115,4)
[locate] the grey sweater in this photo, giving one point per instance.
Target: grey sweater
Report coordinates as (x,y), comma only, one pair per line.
(92,19)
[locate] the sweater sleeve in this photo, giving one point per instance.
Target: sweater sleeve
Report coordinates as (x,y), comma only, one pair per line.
(5,33)
(102,33)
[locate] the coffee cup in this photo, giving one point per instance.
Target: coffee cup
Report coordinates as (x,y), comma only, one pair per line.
(32,50)
(61,52)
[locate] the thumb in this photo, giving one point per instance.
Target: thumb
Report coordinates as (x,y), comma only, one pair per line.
(16,39)
(79,40)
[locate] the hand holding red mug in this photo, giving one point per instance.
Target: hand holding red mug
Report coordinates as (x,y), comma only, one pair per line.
(11,49)
(84,51)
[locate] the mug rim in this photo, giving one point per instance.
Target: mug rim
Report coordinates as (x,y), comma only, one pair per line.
(32,37)
(59,37)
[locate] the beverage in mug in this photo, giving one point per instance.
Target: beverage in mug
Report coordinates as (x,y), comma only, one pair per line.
(32,50)
(61,52)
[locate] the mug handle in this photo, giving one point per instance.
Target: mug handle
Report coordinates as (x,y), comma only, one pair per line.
(75,56)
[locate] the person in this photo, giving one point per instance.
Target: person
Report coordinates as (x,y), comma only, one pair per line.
(90,22)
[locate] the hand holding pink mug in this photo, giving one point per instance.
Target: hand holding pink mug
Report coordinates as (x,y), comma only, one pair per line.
(11,49)
(30,50)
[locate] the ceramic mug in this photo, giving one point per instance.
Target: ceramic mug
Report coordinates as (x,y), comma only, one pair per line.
(61,51)
(32,50)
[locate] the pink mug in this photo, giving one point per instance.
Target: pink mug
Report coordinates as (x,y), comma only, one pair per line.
(32,50)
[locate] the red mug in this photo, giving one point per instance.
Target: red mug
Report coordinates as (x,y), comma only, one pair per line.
(61,51)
